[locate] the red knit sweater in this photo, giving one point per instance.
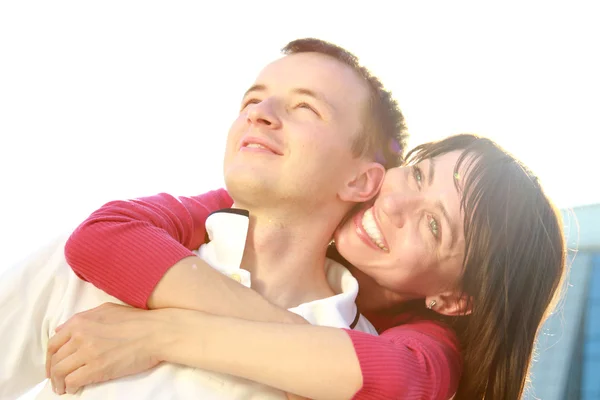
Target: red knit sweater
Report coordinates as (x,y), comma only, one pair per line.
(126,247)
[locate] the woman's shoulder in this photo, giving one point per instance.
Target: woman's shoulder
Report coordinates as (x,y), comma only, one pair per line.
(411,324)
(422,329)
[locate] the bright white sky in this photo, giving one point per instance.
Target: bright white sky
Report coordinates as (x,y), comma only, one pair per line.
(119,99)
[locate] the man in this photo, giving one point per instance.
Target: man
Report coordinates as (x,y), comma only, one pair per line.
(298,157)
(376,131)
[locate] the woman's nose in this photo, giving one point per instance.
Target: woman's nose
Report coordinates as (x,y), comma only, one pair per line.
(399,206)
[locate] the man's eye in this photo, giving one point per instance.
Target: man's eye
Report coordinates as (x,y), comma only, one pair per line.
(307,107)
(249,101)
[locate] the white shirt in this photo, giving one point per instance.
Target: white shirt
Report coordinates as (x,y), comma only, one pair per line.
(228,229)
(44,292)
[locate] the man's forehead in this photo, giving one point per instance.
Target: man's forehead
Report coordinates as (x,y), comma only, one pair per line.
(316,61)
(313,73)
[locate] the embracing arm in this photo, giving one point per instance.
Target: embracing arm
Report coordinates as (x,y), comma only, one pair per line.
(140,252)
(418,360)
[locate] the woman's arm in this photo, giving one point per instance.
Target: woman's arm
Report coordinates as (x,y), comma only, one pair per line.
(310,361)
(417,360)
(140,252)
(413,361)
(126,247)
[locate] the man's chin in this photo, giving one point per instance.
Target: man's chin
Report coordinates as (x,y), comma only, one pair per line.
(251,191)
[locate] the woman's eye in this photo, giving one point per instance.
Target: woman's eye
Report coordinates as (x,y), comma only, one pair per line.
(417,175)
(433,227)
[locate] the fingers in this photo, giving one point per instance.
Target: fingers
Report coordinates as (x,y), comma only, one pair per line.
(55,343)
(63,331)
(80,377)
(77,379)
(64,362)
(96,371)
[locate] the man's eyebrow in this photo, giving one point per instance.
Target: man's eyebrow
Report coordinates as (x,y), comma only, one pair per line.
(302,91)
(255,88)
(314,95)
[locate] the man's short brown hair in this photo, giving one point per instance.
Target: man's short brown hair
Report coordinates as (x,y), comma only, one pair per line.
(384,132)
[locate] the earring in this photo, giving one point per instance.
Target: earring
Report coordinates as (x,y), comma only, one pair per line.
(431,304)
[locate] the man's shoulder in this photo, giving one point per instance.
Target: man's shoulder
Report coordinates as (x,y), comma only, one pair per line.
(341,280)
(339,277)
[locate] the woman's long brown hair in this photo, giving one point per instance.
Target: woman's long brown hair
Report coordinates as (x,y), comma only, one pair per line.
(513,267)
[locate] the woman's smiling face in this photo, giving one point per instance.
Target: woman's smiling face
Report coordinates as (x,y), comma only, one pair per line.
(410,241)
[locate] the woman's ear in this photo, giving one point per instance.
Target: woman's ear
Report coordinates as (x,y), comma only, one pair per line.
(365,184)
(452,303)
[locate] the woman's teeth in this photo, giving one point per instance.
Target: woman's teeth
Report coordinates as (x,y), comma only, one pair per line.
(369,225)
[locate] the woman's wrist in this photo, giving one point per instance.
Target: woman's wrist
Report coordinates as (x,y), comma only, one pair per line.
(187,337)
(176,331)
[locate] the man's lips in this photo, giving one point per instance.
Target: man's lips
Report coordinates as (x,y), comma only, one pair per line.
(258,144)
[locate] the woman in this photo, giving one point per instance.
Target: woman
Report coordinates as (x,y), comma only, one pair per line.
(429,272)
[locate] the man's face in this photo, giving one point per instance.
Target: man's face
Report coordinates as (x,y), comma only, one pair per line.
(293,136)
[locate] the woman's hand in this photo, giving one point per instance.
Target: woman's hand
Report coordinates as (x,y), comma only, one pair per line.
(113,341)
(104,343)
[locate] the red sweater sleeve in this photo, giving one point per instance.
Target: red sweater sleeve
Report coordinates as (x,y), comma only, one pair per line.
(418,360)
(126,247)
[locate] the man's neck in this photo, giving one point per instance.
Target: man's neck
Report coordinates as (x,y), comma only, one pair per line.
(286,257)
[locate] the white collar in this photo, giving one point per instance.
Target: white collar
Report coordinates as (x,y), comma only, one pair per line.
(227,230)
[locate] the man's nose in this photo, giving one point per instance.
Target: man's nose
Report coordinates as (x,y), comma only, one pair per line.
(264,114)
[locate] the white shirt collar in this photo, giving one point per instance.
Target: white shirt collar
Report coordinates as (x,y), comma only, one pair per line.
(228,229)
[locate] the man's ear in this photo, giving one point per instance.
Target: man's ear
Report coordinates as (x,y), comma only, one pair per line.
(451,303)
(365,184)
